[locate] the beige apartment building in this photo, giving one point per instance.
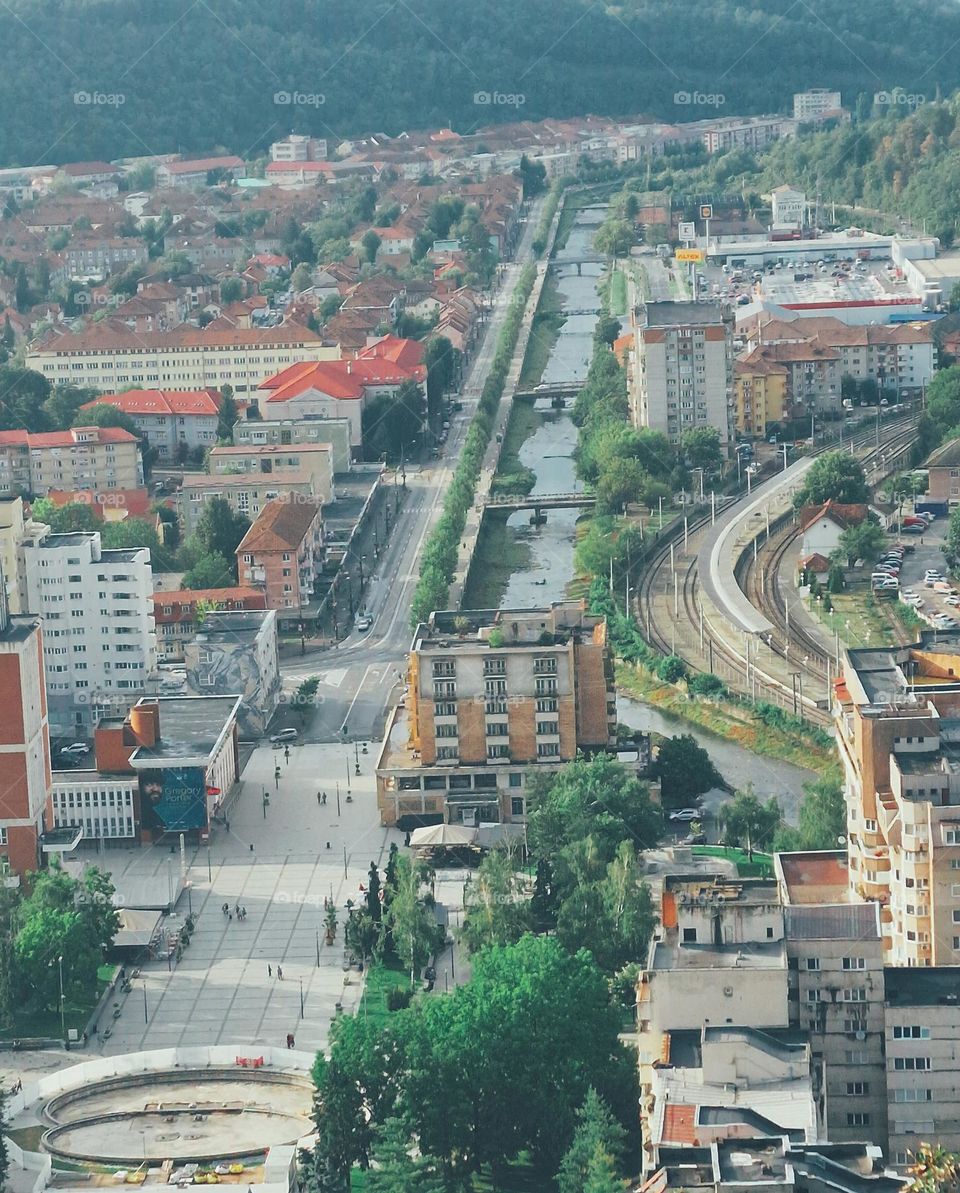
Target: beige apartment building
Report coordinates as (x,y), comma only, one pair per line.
(245,493)
(259,432)
(312,459)
(684,369)
(897,715)
(493,696)
(88,459)
(109,357)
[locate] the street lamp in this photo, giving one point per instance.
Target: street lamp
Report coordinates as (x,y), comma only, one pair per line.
(301,997)
(63,1025)
(356,756)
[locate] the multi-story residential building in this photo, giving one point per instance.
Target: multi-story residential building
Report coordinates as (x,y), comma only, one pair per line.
(111,358)
(760,395)
(245,493)
(237,653)
(746,132)
(314,459)
(897,715)
(83,459)
(812,374)
(282,553)
(814,105)
(517,691)
(176,619)
(943,473)
(15,529)
(196,174)
(26,811)
(684,371)
(95,256)
(922,1028)
(258,432)
(298,148)
(97,612)
(171,421)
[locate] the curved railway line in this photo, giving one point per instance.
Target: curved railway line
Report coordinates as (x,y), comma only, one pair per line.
(757,577)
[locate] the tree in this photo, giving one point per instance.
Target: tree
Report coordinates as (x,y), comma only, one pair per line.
(410,921)
(685,770)
(864,541)
(441,360)
(834,476)
(615,237)
(934,1170)
(701,448)
(211,571)
(374,906)
(596,1129)
(64,403)
(370,243)
(23,397)
(533,176)
(606,330)
(496,910)
(231,290)
(64,519)
(220,530)
(302,278)
(822,820)
(22,298)
(620,483)
(747,821)
(228,415)
(397,1165)
(106,415)
(306,693)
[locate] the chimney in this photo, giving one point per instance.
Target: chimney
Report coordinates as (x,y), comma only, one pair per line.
(143,722)
(349,366)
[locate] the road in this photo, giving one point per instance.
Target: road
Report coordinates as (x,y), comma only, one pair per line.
(360,677)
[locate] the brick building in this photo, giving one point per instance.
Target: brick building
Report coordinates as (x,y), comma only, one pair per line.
(282,552)
(175,614)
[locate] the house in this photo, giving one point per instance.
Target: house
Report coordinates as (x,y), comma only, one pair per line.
(822,525)
(814,565)
(282,554)
(194,174)
(278,461)
(171,421)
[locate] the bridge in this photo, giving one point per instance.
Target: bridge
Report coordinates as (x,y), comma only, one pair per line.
(538,502)
(580,259)
(557,392)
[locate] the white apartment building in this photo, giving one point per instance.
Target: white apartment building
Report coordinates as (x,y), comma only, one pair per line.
(298,148)
(684,373)
(111,359)
(815,104)
(788,207)
(97,612)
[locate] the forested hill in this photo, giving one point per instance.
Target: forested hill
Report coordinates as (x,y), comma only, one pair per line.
(193,75)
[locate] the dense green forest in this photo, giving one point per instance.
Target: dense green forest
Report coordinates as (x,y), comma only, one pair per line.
(186,76)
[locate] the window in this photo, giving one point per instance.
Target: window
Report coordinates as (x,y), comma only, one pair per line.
(854,963)
(912,1095)
(516,806)
(858,1119)
(855,994)
(548,749)
(498,751)
(911,1064)
(494,666)
(446,731)
(911,1032)
(951,836)
(689,936)
(813,963)
(516,780)
(446,753)
(3,835)
(857,1089)
(547,727)
(855,1056)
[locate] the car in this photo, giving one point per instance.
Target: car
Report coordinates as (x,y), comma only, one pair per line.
(952,600)
(914,528)
(75,748)
(285,735)
(685,814)
(912,599)
(695,839)
(364,623)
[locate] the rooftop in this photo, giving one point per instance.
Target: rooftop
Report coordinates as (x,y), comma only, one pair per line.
(751,1161)
(814,877)
(667,314)
(471,629)
(670,954)
(233,625)
(281,524)
(939,986)
(841,921)
(190,728)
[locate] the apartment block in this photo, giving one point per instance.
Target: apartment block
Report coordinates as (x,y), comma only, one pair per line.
(171,421)
(26,812)
(943,473)
(813,105)
(684,369)
(97,612)
(282,554)
(299,148)
(897,718)
(108,357)
(922,1035)
(493,695)
(177,619)
(760,394)
(812,370)
(272,460)
(335,432)
(245,493)
(82,459)
(15,529)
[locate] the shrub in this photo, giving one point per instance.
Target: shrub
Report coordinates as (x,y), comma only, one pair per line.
(706,685)
(671,669)
(398,999)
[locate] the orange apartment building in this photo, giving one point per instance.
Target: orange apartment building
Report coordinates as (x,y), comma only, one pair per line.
(26,810)
(897,714)
(282,552)
(494,696)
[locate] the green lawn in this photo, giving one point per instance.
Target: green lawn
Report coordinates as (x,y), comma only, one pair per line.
(618,293)
(857,618)
(543,334)
(380,979)
(36,1024)
(760,867)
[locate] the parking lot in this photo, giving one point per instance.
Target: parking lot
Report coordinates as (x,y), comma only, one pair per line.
(934,601)
(841,280)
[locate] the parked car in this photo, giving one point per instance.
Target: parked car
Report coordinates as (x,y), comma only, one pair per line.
(285,735)
(364,623)
(76,748)
(685,814)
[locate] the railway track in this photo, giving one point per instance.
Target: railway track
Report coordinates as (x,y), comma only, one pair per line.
(713,653)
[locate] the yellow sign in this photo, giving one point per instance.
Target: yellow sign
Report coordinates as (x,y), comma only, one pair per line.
(689,254)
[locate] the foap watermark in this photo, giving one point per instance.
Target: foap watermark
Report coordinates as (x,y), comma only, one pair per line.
(898,99)
(699,99)
(499,99)
(99,99)
(299,99)
(90,299)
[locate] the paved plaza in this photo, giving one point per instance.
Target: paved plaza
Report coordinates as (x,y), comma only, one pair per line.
(279,868)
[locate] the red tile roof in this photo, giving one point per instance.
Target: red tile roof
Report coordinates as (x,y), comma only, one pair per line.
(281,526)
(82,169)
(406,353)
(135,503)
(346,380)
(64,438)
(184,601)
(103,336)
(204,163)
(843,515)
(678,1123)
(159,401)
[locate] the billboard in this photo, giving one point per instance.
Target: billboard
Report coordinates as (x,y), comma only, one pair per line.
(173,799)
(689,254)
(687,231)
(706,211)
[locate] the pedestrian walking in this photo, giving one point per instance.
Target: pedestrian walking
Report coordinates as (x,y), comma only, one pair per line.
(244,911)
(269,971)
(324,794)
(290,1039)
(225,908)
(279,973)
(318,799)
(236,908)
(230,916)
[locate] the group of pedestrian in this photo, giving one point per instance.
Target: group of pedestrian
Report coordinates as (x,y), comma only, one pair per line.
(241,912)
(321,799)
(279,972)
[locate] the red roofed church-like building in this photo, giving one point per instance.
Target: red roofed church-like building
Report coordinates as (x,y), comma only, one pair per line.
(342,388)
